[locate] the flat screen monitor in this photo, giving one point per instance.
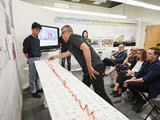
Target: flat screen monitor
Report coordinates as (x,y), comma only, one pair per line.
(49,38)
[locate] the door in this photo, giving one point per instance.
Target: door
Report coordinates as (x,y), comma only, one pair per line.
(152,36)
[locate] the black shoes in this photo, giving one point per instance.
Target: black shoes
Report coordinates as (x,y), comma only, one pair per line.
(117,95)
(138,105)
(36,95)
(104,75)
(113,92)
(112,86)
(40,91)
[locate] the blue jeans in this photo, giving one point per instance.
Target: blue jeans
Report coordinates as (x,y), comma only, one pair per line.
(34,81)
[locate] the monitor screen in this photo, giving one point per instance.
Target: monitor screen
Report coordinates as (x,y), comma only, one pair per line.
(48,37)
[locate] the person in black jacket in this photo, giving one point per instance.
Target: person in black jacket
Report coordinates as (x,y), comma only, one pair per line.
(117,57)
(64,48)
(31,49)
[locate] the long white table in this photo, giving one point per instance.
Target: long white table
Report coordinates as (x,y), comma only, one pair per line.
(60,88)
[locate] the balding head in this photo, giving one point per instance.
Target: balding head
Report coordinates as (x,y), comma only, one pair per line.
(67,28)
(121,47)
(66,31)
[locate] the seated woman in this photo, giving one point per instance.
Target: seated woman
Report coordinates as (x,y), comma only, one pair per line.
(129,62)
(85,36)
(128,74)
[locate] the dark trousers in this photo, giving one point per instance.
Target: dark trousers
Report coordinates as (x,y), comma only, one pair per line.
(122,77)
(68,63)
(98,83)
(108,62)
(137,87)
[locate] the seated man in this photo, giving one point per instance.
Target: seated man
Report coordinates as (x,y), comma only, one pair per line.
(117,57)
(158,46)
(146,80)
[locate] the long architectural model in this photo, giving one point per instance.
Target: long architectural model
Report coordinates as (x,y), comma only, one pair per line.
(69,99)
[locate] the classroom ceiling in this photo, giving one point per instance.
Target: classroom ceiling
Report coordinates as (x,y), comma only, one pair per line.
(101,3)
(108,3)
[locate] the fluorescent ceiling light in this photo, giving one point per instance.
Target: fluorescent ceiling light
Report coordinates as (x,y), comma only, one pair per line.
(61,10)
(99,0)
(139,4)
(97,3)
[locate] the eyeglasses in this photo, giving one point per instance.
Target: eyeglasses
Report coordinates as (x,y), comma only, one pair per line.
(63,32)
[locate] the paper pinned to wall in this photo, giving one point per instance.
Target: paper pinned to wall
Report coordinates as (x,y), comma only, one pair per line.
(10,93)
(116,30)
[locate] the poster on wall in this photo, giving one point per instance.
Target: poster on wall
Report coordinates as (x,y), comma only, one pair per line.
(7,24)
(11,15)
(9,80)
(104,33)
(13,51)
(4,53)
(125,34)
(3,3)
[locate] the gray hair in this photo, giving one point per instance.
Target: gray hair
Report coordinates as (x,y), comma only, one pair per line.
(67,28)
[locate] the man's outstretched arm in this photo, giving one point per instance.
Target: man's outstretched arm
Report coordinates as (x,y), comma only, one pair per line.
(62,55)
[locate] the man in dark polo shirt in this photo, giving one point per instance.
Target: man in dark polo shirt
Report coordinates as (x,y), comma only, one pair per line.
(31,49)
(88,59)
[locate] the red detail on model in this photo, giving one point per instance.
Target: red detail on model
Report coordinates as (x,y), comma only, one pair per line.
(71,92)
